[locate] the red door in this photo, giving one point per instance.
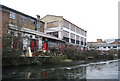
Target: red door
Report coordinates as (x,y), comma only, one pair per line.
(32,45)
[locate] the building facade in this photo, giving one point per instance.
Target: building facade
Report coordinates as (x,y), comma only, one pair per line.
(65,30)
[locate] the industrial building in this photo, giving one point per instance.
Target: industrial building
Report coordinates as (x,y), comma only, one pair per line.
(65,30)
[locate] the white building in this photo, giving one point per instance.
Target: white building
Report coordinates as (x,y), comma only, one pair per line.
(104,46)
(65,30)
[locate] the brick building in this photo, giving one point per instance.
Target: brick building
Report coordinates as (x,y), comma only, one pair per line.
(26,27)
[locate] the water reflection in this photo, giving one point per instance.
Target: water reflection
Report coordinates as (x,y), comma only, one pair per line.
(86,71)
(68,73)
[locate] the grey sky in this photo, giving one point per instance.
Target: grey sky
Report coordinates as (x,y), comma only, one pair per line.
(98,17)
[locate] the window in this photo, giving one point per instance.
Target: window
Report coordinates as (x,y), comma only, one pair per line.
(72,36)
(65,34)
(77,29)
(23,19)
(81,42)
(114,46)
(77,41)
(72,27)
(66,39)
(77,37)
(73,41)
(66,24)
(12,15)
(32,22)
(85,43)
(80,31)
(55,34)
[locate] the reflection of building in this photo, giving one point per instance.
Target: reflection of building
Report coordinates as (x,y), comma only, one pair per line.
(63,29)
(104,46)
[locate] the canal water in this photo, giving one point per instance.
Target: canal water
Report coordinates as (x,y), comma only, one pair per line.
(98,70)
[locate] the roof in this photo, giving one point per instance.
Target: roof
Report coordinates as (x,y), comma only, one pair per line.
(35,32)
(115,43)
(52,15)
(96,42)
(5,7)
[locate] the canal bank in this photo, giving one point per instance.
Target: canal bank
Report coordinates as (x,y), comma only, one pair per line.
(69,56)
(23,61)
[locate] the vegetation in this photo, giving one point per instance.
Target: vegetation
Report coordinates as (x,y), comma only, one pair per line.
(12,46)
(75,54)
(12,50)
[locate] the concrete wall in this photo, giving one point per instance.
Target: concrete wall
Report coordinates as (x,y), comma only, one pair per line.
(50,18)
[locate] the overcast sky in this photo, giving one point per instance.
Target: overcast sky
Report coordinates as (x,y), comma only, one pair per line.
(98,17)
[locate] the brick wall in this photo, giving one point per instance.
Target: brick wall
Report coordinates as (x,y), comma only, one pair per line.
(4,23)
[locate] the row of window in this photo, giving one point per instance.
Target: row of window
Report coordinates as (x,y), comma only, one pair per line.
(55,44)
(53,33)
(72,27)
(73,41)
(66,34)
(22,19)
(109,47)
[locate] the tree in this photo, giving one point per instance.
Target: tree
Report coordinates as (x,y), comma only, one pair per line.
(11,45)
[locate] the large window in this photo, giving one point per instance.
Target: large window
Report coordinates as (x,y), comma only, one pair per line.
(33,22)
(72,36)
(84,33)
(114,46)
(72,41)
(12,15)
(66,34)
(72,27)
(66,39)
(81,42)
(80,31)
(77,41)
(23,19)
(66,24)
(77,29)
(77,37)
(53,33)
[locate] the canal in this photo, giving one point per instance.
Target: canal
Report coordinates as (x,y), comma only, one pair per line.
(94,70)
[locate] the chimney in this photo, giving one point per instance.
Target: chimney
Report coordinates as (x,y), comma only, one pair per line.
(38,17)
(38,23)
(99,40)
